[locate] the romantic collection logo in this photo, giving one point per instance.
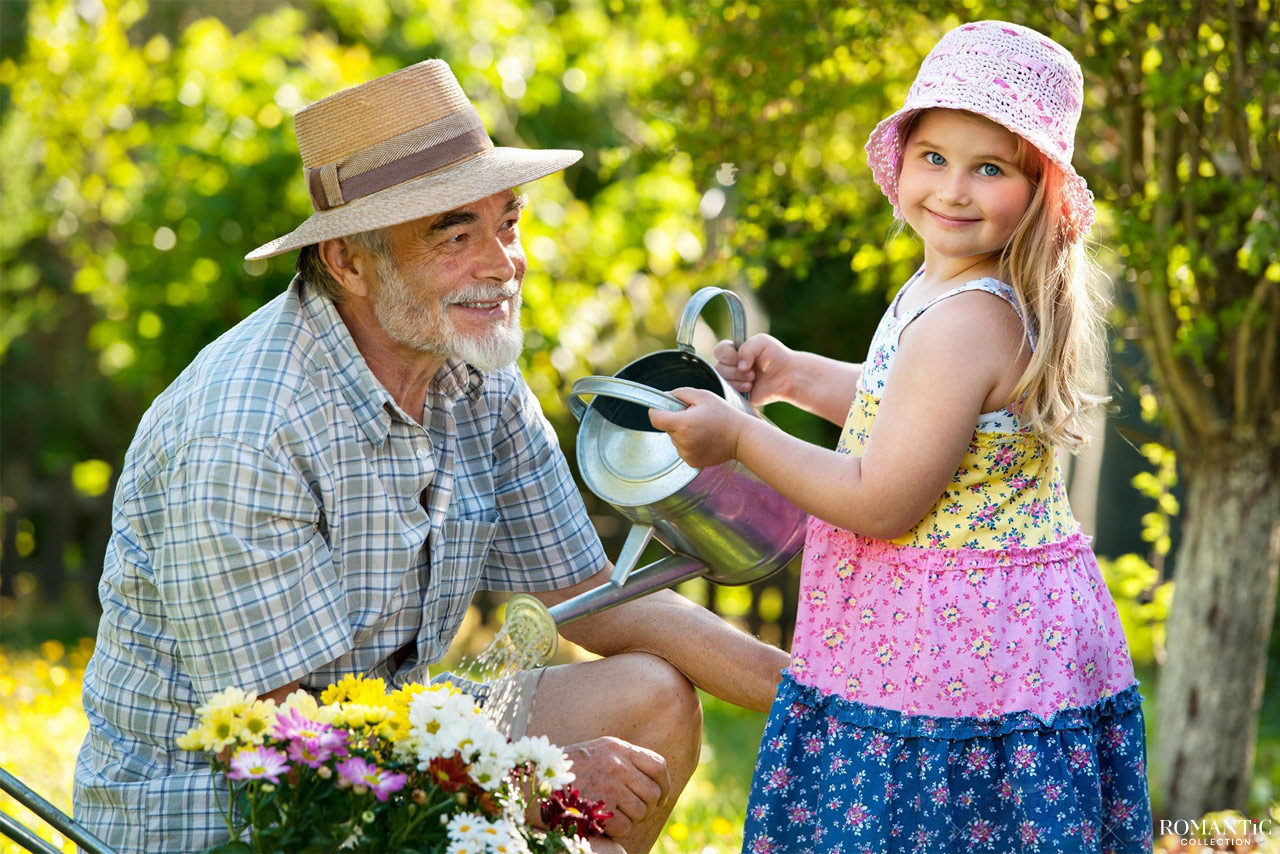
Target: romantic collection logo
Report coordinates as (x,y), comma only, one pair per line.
(1218,832)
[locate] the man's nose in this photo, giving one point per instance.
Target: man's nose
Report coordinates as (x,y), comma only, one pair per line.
(499,261)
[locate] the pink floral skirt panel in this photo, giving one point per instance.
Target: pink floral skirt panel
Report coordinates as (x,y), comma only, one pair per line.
(957,632)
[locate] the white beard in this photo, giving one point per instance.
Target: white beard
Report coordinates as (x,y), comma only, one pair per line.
(413,323)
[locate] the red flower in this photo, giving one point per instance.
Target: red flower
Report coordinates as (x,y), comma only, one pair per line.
(570,813)
(449,774)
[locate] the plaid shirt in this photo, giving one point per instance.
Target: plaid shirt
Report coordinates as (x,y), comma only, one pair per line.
(279,517)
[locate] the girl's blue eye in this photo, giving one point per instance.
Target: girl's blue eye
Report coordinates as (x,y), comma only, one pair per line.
(990,170)
(935,159)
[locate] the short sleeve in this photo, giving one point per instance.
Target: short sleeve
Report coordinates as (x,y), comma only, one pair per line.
(545,539)
(244,573)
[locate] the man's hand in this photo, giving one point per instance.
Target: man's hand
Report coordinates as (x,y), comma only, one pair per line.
(705,434)
(629,779)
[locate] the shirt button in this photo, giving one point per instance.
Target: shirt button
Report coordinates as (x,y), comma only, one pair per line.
(424,454)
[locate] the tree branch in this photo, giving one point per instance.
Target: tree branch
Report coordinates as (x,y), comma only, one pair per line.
(1235,116)
(1160,366)
(1267,381)
(1241,397)
(1188,395)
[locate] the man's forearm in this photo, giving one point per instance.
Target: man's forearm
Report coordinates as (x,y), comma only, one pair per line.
(715,656)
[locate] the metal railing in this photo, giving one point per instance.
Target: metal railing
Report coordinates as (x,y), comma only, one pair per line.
(62,822)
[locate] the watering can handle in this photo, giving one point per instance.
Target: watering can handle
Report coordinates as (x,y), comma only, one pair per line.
(692,310)
(627,390)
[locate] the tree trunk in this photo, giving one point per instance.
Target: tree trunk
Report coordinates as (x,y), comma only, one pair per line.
(1210,690)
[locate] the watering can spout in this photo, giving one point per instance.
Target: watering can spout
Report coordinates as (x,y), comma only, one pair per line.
(665,572)
(533,626)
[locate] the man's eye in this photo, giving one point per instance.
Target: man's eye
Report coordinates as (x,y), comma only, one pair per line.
(990,170)
(935,159)
(457,238)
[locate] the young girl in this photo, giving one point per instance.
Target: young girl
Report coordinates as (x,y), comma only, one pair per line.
(959,680)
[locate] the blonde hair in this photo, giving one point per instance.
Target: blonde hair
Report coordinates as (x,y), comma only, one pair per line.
(1057,285)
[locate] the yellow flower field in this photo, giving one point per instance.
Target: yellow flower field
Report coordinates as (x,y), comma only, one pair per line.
(41,726)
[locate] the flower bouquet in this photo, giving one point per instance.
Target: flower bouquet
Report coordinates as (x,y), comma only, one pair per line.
(420,769)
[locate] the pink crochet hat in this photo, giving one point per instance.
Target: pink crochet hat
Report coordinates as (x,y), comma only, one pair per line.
(1010,74)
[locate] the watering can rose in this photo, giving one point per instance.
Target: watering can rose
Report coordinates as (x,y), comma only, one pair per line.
(417,769)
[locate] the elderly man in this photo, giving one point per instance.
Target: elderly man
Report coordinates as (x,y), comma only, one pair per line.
(325,487)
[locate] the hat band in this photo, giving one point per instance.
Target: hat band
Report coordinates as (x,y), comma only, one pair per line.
(332,186)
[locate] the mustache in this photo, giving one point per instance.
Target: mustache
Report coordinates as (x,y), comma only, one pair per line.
(484,293)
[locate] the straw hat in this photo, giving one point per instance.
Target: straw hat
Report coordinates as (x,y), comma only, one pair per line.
(1012,75)
(399,148)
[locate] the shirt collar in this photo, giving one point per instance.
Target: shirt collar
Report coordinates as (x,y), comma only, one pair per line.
(369,400)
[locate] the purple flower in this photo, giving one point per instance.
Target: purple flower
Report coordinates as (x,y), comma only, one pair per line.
(359,772)
(314,752)
(293,724)
(258,763)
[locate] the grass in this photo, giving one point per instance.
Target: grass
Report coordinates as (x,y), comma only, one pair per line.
(709,816)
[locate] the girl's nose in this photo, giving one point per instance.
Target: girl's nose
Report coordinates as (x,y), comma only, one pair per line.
(954,188)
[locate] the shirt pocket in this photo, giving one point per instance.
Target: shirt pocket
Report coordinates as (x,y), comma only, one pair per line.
(458,558)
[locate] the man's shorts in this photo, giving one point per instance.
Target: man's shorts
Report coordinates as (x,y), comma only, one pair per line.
(507,701)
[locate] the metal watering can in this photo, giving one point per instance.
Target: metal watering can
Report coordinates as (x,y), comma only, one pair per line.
(720,522)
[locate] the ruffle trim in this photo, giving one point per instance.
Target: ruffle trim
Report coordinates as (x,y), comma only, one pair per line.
(942,559)
(902,725)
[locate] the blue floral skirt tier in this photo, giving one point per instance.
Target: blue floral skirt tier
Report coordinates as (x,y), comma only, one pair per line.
(836,776)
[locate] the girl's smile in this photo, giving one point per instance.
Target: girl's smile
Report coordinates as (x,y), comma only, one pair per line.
(952,221)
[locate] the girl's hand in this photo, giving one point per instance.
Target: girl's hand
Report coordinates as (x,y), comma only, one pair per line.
(705,434)
(761,367)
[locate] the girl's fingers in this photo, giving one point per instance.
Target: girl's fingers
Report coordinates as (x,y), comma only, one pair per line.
(726,352)
(663,420)
(750,351)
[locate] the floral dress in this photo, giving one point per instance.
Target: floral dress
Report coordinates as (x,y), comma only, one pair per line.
(965,687)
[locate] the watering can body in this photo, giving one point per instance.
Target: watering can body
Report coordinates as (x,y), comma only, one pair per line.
(721,522)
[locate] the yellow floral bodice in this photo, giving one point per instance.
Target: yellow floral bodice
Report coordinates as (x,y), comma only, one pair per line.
(1007,492)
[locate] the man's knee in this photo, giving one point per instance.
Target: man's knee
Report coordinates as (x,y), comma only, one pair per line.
(663,697)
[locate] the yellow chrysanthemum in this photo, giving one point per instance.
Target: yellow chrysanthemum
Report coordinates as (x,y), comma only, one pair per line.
(232,700)
(303,702)
(309,708)
(397,726)
(357,715)
(353,688)
(193,740)
(257,721)
(219,728)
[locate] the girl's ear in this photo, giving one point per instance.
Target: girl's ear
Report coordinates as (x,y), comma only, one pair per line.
(351,270)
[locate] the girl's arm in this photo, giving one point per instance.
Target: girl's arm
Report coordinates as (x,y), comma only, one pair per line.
(768,370)
(948,364)
(824,386)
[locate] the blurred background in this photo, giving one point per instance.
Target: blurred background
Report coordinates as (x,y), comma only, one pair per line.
(147,147)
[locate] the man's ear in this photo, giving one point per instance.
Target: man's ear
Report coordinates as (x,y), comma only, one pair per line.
(354,271)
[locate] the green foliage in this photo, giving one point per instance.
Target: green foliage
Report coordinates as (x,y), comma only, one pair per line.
(1158,486)
(1143,602)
